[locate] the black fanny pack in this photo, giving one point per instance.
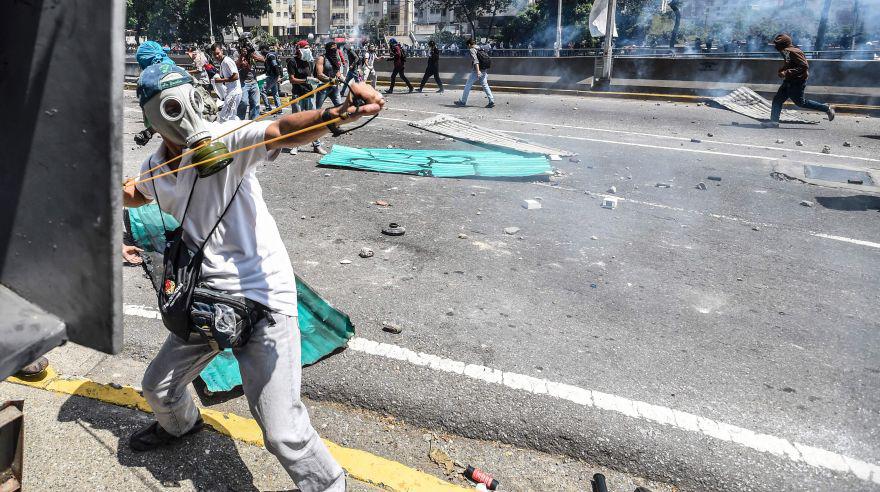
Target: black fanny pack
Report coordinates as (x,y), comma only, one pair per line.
(187,305)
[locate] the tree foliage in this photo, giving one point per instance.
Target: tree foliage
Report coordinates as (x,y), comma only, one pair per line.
(469,10)
(537,24)
(187,20)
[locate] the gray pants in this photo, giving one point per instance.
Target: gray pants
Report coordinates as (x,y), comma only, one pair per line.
(271,373)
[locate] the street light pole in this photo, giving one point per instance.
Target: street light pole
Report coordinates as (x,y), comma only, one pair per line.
(609,36)
(558,29)
(210,23)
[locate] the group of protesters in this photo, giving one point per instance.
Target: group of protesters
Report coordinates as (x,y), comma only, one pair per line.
(231,72)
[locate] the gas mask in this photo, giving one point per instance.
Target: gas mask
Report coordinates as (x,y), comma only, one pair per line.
(174,108)
(306,55)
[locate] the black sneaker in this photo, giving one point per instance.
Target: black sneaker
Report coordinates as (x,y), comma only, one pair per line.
(769,124)
(154,436)
(491,104)
(440,91)
(459,103)
(419,89)
(389,91)
(411,89)
(830,113)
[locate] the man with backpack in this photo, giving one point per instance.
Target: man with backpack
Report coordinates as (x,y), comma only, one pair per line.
(273,72)
(398,56)
(481,63)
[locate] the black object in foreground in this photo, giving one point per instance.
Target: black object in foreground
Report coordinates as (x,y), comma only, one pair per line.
(479,476)
(394,229)
(598,483)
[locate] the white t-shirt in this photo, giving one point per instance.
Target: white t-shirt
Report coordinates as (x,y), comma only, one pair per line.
(227,68)
(245,256)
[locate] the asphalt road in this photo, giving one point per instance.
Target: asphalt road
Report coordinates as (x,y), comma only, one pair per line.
(735,305)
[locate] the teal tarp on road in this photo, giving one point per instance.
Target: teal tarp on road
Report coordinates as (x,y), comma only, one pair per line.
(439,163)
(323,328)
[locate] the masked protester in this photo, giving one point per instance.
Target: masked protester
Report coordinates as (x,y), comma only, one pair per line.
(328,68)
(398,57)
(226,83)
(299,71)
(249,106)
(369,65)
(354,62)
(273,74)
(479,73)
(794,74)
(433,67)
(227,280)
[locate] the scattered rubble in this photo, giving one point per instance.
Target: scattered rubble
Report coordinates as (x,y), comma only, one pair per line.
(531,204)
(780,141)
(701,186)
(442,459)
(696,140)
(714,178)
(394,229)
(663,185)
(462,235)
(799,143)
(609,202)
(613,189)
(574,159)
(710,134)
(594,238)
(847,144)
(366,252)
(345,262)
(806,203)
(511,230)
(391,328)
(756,228)
(826,149)
(382,203)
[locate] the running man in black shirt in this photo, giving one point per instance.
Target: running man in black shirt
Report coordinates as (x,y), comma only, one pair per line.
(433,67)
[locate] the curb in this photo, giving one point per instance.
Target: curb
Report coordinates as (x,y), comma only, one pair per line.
(360,465)
(647,96)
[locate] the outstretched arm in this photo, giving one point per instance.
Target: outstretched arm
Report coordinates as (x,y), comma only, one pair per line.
(372,103)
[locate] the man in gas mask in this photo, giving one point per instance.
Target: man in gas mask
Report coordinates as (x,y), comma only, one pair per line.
(328,68)
(242,263)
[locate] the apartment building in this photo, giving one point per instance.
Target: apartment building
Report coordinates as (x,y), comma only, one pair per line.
(288,18)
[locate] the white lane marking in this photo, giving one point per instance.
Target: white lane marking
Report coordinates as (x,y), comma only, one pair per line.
(816,457)
(141,311)
(657,205)
(860,242)
(654,135)
(615,142)
(846,239)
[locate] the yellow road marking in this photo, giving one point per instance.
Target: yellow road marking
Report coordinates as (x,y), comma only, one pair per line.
(360,465)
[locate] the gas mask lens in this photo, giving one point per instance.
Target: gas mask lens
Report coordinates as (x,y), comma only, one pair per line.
(171,109)
(197,102)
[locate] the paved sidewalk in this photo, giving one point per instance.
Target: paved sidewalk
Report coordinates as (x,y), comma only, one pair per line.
(75,443)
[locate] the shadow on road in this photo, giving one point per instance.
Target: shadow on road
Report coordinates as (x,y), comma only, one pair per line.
(210,460)
(758,126)
(855,203)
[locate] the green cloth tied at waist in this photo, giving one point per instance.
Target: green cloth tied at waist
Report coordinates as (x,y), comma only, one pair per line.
(323,328)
